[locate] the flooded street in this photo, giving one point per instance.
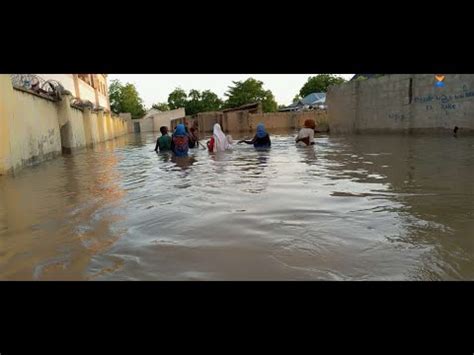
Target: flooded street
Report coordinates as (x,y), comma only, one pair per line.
(349,208)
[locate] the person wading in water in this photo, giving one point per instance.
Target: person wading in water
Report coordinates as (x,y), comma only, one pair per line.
(261,138)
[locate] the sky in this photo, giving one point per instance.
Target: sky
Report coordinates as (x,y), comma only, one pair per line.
(154,88)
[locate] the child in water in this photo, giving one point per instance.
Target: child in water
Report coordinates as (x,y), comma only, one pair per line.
(180,141)
(219,141)
(306,135)
(164,142)
(261,139)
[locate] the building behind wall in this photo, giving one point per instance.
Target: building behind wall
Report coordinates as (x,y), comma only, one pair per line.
(86,87)
(39,122)
(154,119)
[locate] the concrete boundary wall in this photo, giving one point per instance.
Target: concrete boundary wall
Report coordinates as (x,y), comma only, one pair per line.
(34,129)
(402,103)
(243,121)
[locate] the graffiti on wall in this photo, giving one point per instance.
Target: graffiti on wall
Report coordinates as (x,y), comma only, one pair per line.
(396,116)
(446,102)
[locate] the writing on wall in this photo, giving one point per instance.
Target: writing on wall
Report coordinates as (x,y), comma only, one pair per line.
(396,116)
(446,102)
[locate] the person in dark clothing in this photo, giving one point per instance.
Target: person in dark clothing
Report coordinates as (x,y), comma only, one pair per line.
(192,138)
(261,139)
(164,142)
(455,131)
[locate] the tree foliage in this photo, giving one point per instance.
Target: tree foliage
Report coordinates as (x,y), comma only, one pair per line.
(161,106)
(320,83)
(115,90)
(195,101)
(177,98)
(125,98)
(250,91)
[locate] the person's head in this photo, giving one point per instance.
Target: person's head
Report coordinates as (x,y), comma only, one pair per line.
(261,132)
(310,124)
(180,130)
(164,130)
(217,128)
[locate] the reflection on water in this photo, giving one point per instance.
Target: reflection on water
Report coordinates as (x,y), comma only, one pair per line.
(348,208)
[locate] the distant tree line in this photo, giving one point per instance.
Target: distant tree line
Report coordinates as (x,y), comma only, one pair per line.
(125,98)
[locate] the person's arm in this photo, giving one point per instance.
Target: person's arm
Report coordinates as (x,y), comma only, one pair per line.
(297,139)
(311,137)
(172,144)
(156,147)
(248,142)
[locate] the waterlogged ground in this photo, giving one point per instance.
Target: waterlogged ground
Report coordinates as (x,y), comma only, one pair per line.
(349,208)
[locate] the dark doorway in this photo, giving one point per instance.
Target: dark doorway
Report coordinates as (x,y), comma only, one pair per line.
(136,127)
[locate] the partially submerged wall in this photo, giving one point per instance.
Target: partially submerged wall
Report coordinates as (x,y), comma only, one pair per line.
(402,103)
(243,121)
(34,128)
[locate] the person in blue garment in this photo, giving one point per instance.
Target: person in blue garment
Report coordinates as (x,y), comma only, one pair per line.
(180,141)
(261,138)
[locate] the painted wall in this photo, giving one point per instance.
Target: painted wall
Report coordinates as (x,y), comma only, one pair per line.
(87,92)
(33,128)
(6,115)
(103,102)
(65,79)
(402,103)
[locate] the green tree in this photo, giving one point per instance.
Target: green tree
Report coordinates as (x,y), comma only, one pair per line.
(195,101)
(296,98)
(115,91)
(320,83)
(125,98)
(193,104)
(161,106)
(210,101)
(250,91)
(131,101)
(177,99)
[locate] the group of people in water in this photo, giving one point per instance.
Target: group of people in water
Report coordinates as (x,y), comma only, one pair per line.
(184,139)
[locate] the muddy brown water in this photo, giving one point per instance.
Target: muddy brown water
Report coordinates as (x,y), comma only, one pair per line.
(349,208)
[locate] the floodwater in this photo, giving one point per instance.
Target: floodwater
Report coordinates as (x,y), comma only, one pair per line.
(349,208)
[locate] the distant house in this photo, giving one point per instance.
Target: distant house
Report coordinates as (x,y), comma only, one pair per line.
(316,100)
(154,119)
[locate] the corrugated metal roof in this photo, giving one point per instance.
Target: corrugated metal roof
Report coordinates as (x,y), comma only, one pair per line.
(314,98)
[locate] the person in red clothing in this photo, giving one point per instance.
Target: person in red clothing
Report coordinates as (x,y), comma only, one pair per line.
(219,141)
(210,144)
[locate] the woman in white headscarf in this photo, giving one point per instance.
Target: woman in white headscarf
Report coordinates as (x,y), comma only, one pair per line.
(219,141)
